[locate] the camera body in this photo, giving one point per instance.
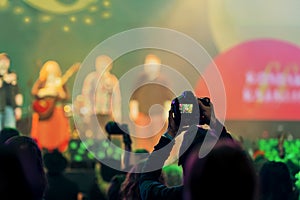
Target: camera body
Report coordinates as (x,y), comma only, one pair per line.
(114,128)
(186,110)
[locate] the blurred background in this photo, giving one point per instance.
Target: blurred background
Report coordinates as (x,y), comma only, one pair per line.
(254,44)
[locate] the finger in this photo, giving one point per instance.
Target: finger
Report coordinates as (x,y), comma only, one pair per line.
(212,110)
(201,105)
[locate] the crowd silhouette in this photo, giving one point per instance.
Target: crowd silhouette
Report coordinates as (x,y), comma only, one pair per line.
(225,171)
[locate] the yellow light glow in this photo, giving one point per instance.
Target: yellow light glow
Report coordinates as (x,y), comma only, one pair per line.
(106,3)
(3,4)
(58,7)
(66,28)
(106,15)
(27,20)
(73,19)
(18,10)
(67,108)
(46,18)
(93,8)
(88,20)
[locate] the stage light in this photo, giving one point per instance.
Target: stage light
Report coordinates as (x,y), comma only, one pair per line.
(106,15)
(101,155)
(79,153)
(4,4)
(93,8)
(27,20)
(73,145)
(88,20)
(106,3)
(67,108)
(73,19)
(109,152)
(45,18)
(66,28)
(90,156)
(18,10)
(78,158)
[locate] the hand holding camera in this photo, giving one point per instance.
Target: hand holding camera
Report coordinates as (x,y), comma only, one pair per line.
(114,128)
(207,114)
(187,110)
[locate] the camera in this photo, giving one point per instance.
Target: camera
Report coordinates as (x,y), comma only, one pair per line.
(114,128)
(186,110)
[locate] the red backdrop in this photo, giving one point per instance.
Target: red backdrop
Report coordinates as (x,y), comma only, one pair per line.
(261,79)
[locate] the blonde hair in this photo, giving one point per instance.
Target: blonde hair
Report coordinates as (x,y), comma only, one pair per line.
(152,59)
(50,67)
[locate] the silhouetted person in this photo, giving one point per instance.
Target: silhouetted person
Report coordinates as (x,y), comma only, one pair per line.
(149,104)
(275,182)
(11,99)
(182,117)
(59,186)
(227,172)
(114,190)
(7,133)
(13,183)
(31,162)
(50,93)
(130,187)
(102,93)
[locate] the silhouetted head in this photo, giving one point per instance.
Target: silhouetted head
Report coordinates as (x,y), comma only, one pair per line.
(130,187)
(55,162)
(13,182)
(32,163)
(225,173)
(275,181)
(195,139)
(114,192)
(7,133)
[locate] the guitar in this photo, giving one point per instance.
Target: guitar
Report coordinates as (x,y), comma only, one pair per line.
(44,104)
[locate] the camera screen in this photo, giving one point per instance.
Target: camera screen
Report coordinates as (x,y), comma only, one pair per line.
(186,108)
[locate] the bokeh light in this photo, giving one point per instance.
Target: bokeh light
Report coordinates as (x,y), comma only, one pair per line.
(18,10)
(27,20)
(66,28)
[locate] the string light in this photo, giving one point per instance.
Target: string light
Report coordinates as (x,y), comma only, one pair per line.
(93,8)
(45,18)
(88,20)
(27,20)
(18,10)
(4,4)
(106,4)
(73,19)
(106,15)
(66,28)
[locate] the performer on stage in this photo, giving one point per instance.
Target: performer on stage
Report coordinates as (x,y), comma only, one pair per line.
(10,98)
(102,93)
(150,103)
(50,126)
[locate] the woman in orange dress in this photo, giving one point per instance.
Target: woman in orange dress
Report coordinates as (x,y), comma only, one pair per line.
(50,126)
